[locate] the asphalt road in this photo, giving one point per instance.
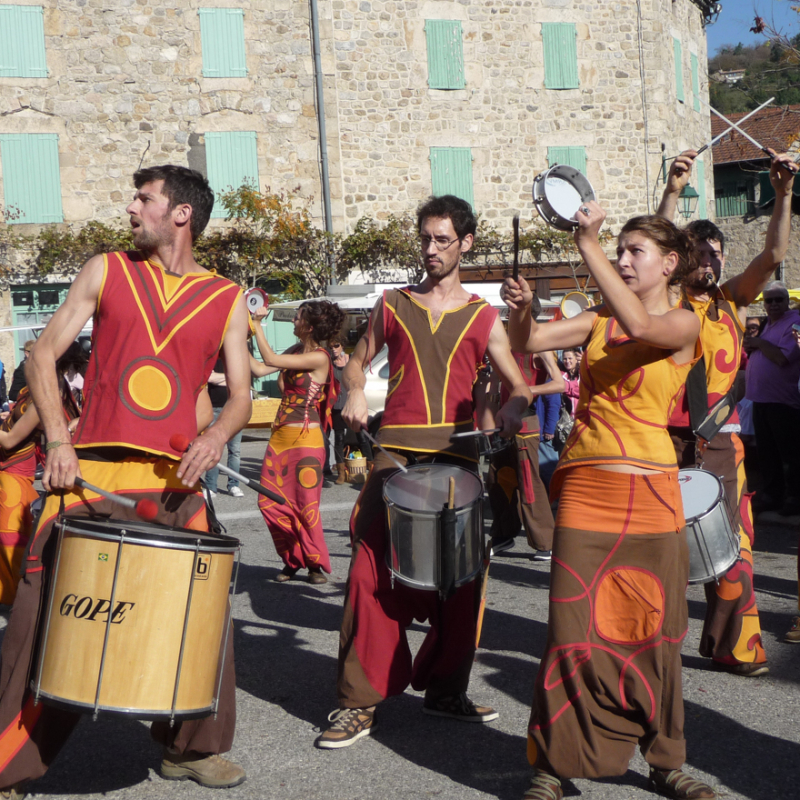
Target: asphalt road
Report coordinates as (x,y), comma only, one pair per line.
(743,734)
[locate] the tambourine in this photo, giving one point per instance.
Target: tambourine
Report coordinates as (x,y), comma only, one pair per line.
(255,299)
(558,193)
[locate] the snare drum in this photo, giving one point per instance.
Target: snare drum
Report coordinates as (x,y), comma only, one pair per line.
(414,502)
(558,193)
(135,619)
(713,543)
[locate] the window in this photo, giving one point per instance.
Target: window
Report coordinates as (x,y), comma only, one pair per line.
(731,199)
(34,304)
(231,161)
(222,42)
(445,42)
(22,42)
(31,180)
(678,51)
(571,156)
(451,172)
(695,81)
(560,43)
(702,206)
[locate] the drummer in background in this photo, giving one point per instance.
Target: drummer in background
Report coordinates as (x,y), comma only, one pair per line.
(731,629)
(610,677)
(515,489)
(150,359)
(437,334)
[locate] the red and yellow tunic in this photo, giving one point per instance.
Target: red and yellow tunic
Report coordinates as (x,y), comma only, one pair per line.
(21,460)
(628,393)
(721,334)
(432,367)
(304,401)
(141,387)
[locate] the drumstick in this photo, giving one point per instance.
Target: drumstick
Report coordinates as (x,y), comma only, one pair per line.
(515,222)
(728,130)
(487,432)
(146,509)
(451,495)
(181,443)
(385,452)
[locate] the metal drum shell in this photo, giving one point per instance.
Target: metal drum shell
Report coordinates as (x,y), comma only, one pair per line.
(163,638)
(713,543)
(413,545)
(544,205)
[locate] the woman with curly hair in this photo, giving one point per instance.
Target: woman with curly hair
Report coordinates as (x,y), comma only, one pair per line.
(610,676)
(296,453)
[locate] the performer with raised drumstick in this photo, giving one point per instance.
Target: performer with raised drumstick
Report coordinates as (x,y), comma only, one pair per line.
(160,320)
(437,335)
(610,677)
(731,629)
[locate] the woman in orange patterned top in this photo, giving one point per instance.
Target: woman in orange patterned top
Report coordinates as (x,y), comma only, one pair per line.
(293,462)
(610,677)
(19,436)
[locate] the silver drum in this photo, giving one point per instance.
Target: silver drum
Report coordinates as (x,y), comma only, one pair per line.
(713,543)
(414,502)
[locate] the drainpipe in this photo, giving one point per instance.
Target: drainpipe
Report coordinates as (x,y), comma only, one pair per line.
(323,137)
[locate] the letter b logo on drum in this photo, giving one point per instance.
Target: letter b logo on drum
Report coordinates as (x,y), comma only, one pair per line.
(203,568)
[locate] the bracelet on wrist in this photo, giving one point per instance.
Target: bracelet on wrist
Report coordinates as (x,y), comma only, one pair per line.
(53,445)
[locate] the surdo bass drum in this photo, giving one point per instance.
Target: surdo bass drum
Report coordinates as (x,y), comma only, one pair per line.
(136,619)
(422,553)
(713,543)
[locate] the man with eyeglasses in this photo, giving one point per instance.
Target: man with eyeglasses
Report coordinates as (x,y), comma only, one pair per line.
(773,370)
(437,335)
(704,426)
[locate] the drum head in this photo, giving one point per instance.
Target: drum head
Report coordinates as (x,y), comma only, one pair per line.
(255,299)
(558,194)
(425,487)
(700,491)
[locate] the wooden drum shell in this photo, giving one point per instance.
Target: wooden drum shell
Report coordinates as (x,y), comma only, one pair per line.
(151,608)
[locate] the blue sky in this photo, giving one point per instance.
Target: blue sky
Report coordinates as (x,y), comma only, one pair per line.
(736,19)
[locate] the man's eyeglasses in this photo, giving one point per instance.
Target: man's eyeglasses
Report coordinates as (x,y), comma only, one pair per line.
(440,242)
(768,300)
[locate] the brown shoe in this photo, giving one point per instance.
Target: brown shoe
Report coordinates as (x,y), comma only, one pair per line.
(342,470)
(793,634)
(316,577)
(211,771)
(348,726)
(677,784)
(286,574)
(746,670)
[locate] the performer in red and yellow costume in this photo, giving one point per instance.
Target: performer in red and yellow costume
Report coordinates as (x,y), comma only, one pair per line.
(19,436)
(159,323)
(437,335)
(731,629)
(295,456)
(610,676)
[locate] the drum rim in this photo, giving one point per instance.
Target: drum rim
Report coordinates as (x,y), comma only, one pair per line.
(540,198)
(709,509)
(166,536)
(431,513)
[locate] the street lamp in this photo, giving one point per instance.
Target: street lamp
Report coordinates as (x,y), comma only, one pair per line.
(687,201)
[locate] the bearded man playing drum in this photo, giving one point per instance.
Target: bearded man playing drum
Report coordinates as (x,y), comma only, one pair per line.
(731,630)
(160,320)
(437,335)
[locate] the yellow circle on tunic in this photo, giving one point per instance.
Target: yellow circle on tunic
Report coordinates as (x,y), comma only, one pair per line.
(150,388)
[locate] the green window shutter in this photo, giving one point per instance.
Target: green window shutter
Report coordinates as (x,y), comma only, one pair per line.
(695,81)
(231,161)
(730,199)
(31,179)
(678,50)
(560,42)
(702,206)
(451,172)
(571,156)
(445,40)
(222,42)
(22,52)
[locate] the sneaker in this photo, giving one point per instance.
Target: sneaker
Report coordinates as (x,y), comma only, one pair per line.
(235,491)
(544,786)
(212,771)
(543,555)
(458,706)
(746,670)
(677,784)
(501,545)
(209,493)
(348,726)
(793,634)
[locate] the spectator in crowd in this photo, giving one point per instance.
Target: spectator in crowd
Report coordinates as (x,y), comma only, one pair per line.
(3,390)
(218,392)
(548,407)
(793,634)
(19,380)
(773,371)
(571,361)
(339,359)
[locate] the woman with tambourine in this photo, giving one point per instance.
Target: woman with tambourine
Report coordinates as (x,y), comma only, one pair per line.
(610,677)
